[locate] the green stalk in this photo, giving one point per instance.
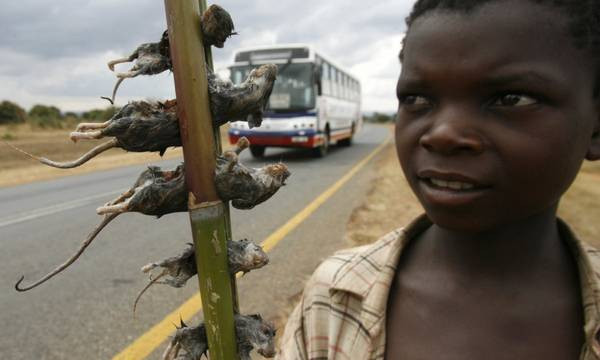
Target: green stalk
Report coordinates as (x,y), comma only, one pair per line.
(208,215)
(219,148)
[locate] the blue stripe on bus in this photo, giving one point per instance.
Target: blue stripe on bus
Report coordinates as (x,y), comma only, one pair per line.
(289,115)
(238,132)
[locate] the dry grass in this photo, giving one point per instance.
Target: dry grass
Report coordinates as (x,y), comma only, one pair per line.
(390,204)
(16,168)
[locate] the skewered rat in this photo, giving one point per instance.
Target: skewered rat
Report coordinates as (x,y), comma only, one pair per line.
(157,192)
(252,332)
(243,255)
(154,58)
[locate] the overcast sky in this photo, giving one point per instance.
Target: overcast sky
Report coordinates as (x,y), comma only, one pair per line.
(55,52)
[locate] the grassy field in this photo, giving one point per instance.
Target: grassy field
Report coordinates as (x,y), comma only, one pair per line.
(16,168)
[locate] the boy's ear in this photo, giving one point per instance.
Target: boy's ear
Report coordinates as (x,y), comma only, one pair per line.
(593,152)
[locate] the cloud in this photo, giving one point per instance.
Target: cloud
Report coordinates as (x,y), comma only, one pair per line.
(56,52)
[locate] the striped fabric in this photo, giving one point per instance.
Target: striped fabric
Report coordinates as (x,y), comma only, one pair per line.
(342,312)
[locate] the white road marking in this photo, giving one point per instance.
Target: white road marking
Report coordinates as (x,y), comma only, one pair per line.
(53,209)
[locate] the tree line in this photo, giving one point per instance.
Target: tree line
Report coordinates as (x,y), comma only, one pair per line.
(46,116)
(378,117)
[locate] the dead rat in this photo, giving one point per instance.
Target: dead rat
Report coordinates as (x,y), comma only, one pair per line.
(157,192)
(138,126)
(154,58)
(251,331)
(154,126)
(172,197)
(247,187)
(243,255)
(243,102)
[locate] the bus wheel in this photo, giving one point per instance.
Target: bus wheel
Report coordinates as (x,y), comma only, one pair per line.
(347,141)
(322,149)
(257,151)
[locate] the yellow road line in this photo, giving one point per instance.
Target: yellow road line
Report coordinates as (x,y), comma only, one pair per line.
(149,341)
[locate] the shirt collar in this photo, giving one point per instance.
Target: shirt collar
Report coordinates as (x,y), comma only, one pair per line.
(588,264)
(370,272)
(384,255)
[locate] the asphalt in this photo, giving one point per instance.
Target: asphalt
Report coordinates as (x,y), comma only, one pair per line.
(86,312)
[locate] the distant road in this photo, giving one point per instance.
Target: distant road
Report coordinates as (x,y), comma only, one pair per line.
(85,312)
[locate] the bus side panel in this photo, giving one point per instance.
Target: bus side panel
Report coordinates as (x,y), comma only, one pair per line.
(340,115)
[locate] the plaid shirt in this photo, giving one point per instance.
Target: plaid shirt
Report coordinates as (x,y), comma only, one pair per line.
(342,311)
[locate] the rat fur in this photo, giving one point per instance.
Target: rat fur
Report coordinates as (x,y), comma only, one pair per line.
(252,332)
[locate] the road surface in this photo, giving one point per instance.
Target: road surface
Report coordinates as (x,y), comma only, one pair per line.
(86,312)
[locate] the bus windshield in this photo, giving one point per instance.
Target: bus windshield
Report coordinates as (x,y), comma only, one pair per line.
(293,90)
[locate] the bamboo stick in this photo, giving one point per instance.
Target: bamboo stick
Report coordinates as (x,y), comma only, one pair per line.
(207,212)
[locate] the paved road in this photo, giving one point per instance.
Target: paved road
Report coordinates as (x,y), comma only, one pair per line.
(85,313)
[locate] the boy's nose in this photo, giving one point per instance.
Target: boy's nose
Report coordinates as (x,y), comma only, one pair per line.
(452,134)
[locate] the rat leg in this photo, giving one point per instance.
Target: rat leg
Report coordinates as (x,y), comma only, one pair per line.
(107,219)
(71,164)
(172,350)
(242,144)
(114,209)
(85,135)
(127,194)
(130,58)
(112,63)
(129,74)
(91,126)
(232,160)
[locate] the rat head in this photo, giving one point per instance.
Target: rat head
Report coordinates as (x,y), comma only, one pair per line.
(278,171)
(217,26)
(498,107)
(163,44)
(261,335)
(264,73)
(253,254)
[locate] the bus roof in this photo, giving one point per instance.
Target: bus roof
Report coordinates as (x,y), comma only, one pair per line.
(294,49)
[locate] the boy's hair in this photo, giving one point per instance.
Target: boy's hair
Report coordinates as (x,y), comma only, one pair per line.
(584,18)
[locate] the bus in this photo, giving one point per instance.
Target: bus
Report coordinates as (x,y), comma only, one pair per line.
(315,103)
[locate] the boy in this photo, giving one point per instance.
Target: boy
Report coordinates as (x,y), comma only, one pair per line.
(498,107)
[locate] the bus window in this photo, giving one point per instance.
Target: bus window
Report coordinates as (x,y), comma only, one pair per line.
(325,79)
(237,76)
(332,76)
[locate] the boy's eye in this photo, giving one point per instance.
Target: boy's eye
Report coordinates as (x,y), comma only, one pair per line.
(514,100)
(414,102)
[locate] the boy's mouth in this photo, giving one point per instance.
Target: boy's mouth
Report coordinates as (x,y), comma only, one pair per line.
(450,188)
(452,185)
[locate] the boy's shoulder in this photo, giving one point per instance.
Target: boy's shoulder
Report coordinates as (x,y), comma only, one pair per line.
(356,270)
(585,255)
(591,254)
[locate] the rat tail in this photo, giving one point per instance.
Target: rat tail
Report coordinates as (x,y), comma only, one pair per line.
(71,260)
(152,282)
(114,93)
(70,164)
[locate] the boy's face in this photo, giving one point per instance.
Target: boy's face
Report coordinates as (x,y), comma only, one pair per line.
(496,113)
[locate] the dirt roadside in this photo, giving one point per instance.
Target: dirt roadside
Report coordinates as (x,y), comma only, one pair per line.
(390,203)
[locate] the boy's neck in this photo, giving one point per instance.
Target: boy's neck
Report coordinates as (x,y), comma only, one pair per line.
(510,249)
